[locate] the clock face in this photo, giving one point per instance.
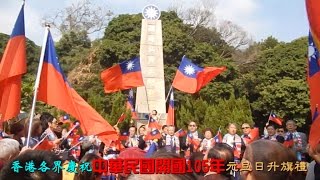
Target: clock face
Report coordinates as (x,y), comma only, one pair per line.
(151,12)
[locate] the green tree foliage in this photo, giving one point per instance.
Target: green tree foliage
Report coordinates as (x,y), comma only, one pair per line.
(72,49)
(278,82)
(233,110)
(3,42)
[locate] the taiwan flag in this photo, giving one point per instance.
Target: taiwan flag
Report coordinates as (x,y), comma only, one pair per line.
(180,133)
(218,137)
(130,105)
(313,68)
(289,140)
(153,123)
(12,66)
(314,20)
(190,78)
(170,116)
(124,136)
(314,87)
(154,134)
(55,90)
(122,76)
(193,141)
(273,117)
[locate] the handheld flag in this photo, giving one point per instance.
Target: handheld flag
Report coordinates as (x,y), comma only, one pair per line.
(254,134)
(124,136)
(273,117)
(153,123)
(289,141)
(122,76)
(190,78)
(218,137)
(130,105)
(180,133)
(54,89)
(12,66)
(155,134)
(170,116)
(193,141)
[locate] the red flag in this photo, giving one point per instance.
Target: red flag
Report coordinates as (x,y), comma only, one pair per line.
(12,66)
(55,90)
(190,78)
(218,137)
(314,19)
(254,134)
(314,68)
(289,141)
(122,76)
(155,134)
(180,133)
(124,136)
(273,117)
(170,117)
(153,123)
(45,145)
(130,105)
(193,141)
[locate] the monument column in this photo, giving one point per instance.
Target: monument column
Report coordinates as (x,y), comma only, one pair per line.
(152,96)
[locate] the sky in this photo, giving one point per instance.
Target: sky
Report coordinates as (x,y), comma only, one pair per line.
(285,20)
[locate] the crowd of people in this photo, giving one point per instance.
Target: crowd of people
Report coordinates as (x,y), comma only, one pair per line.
(55,140)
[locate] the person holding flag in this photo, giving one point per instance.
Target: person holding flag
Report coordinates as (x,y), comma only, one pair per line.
(133,140)
(192,140)
(208,142)
(296,141)
(234,141)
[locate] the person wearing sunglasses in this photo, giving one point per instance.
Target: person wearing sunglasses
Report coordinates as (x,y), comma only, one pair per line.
(246,129)
(281,132)
(192,132)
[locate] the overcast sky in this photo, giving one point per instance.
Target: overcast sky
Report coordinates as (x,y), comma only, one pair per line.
(284,19)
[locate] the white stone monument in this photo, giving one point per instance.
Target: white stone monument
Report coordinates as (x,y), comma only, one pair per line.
(152,96)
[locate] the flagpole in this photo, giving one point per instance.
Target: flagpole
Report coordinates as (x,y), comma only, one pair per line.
(168,93)
(269,118)
(36,86)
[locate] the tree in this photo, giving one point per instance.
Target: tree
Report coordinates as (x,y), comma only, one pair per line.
(288,98)
(269,43)
(278,82)
(228,111)
(233,34)
(80,16)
